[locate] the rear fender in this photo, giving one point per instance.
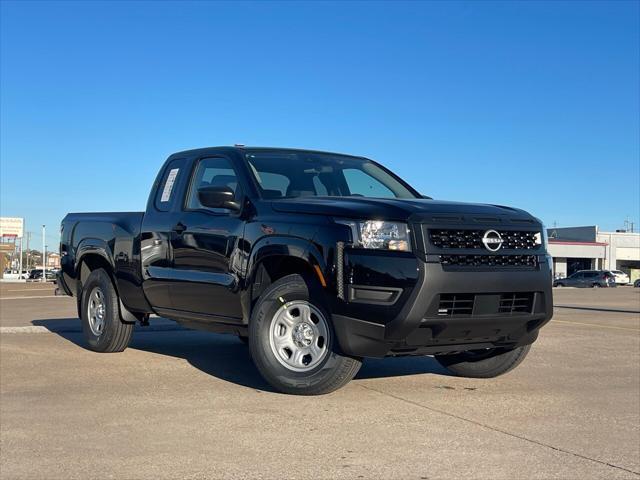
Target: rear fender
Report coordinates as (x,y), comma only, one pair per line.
(91,247)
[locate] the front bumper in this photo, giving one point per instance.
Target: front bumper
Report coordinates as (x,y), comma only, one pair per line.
(400,307)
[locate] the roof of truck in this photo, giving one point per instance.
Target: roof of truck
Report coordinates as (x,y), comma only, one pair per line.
(246,148)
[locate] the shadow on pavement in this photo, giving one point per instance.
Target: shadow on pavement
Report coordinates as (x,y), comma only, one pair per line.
(226,358)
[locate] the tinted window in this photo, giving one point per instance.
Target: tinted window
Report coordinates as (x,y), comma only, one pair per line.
(166,193)
(211,172)
(319,187)
(363,184)
(313,174)
(273,184)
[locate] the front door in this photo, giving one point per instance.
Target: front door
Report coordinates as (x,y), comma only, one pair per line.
(204,241)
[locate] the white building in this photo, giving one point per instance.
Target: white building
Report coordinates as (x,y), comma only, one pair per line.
(583,248)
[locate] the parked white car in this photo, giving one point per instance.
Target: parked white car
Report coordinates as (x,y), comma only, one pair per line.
(621,277)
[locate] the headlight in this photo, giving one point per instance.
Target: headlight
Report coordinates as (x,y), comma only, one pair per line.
(542,238)
(379,234)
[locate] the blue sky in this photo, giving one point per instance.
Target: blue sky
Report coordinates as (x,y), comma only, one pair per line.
(530,104)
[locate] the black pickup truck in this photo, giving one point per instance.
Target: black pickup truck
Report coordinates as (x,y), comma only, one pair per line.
(315,260)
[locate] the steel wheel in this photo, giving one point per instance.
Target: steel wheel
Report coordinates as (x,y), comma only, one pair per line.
(299,336)
(96,311)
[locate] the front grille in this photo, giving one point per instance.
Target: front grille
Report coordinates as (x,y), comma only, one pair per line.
(469,304)
(456,304)
(472,239)
(489,260)
(511,303)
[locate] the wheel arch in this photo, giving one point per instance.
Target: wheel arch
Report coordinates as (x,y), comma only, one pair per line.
(93,257)
(276,258)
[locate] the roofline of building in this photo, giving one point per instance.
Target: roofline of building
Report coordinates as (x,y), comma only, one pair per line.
(571,242)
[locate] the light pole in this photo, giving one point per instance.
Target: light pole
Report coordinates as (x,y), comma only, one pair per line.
(20,259)
(44,254)
(28,238)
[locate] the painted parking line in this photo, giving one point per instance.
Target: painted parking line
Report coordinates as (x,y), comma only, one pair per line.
(597,325)
(598,309)
(27,297)
(78,329)
(29,289)
(29,329)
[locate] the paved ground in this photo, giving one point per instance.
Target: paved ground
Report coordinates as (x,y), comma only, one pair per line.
(183,404)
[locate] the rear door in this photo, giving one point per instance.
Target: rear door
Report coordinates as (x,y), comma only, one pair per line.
(206,246)
(590,278)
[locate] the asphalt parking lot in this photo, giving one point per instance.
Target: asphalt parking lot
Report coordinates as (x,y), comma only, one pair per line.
(185,404)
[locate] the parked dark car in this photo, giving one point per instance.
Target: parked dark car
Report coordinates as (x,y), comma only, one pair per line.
(588,279)
(37,275)
(316,260)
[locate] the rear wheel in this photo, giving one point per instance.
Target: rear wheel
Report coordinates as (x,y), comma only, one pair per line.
(292,341)
(99,312)
(595,285)
(486,363)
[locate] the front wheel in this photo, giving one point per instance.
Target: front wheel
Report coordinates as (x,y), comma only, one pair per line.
(487,363)
(292,341)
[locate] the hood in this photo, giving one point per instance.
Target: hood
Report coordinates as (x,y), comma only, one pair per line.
(391,209)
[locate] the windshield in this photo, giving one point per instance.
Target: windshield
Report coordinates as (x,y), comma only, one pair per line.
(305,174)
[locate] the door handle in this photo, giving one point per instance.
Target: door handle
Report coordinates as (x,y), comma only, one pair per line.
(179,227)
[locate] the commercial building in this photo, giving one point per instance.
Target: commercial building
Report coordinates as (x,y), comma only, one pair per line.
(53,260)
(582,248)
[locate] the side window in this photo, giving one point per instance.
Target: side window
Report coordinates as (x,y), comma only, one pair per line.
(166,192)
(360,183)
(214,171)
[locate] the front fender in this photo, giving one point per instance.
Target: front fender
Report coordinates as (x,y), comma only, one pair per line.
(277,245)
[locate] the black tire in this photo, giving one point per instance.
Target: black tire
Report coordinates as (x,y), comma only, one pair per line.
(113,335)
(595,285)
(484,363)
(243,339)
(332,372)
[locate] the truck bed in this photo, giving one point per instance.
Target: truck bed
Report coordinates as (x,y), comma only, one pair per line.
(115,236)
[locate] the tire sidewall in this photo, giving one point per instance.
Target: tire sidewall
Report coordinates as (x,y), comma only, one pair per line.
(291,289)
(99,278)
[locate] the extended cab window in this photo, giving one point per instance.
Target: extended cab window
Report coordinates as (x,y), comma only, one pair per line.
(215,171)
(166,192)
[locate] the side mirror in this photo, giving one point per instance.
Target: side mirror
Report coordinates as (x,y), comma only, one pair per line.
(217,197)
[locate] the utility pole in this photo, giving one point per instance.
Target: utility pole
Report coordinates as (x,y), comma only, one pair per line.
(44,254)
(28,238)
